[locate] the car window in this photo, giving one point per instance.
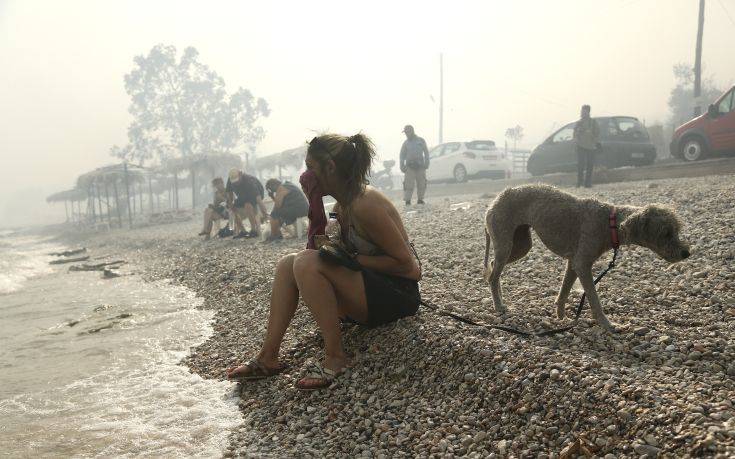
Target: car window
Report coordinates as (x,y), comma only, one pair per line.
(450,148)
(564,135)
(481,145)
(726,105)
(436,151)
(628,128)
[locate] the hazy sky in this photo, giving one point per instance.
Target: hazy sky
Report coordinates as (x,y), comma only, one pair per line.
(341,66)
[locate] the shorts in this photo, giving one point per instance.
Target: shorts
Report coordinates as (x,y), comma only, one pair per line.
(221,212)
(288,214)
(389,298)
(240,201)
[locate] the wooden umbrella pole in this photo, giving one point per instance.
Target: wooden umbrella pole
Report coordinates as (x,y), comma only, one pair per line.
(117,203)
(107,202)
(99,200)
(127,194)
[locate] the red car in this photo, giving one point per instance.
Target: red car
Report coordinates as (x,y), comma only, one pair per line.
(708,134)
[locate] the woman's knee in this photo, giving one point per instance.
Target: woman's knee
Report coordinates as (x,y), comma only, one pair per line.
(285,265)
(306,263)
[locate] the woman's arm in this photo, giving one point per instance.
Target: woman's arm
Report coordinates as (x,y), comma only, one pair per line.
(383,231)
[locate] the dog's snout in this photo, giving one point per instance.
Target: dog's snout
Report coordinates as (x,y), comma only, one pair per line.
(685,253)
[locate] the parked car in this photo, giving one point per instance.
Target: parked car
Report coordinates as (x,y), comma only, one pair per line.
(624,140)
(460,161)
(709,134)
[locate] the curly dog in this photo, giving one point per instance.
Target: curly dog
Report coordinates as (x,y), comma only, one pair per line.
(575,229)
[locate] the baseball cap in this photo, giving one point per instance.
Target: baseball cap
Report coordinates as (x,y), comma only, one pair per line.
(407,127)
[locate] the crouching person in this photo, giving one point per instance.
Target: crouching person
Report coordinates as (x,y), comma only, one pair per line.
(289,204)
(217,210)
(245,197)
(383,289)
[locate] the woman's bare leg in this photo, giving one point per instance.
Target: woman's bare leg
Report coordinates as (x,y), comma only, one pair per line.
(207,227)
(284,300)
(330,292)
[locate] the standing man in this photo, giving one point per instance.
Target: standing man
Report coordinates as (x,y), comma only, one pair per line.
(587,139)
(245,197)
(414,162)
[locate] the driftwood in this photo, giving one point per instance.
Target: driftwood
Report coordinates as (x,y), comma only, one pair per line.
(69,260)
(69,252)
(109,274)
(97,267)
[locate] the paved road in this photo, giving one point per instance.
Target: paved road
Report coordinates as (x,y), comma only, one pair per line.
(720,166)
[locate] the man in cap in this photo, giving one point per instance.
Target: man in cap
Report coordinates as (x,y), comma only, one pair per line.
(244,196)
(414,161)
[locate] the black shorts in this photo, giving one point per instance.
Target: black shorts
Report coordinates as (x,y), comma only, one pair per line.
(389,298)
(240,201)
(288,213)
(221,211)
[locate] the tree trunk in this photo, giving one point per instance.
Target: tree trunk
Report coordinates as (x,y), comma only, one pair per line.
(150,195)
(193,190)
(176,191)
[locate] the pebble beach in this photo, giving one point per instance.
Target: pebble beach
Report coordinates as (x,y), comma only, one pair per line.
(664,385)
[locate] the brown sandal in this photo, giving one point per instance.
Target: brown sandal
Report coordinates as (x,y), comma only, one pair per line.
(253,371)
(324,376)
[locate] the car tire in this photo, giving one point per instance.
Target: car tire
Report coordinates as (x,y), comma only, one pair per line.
(693,149)
(460,173)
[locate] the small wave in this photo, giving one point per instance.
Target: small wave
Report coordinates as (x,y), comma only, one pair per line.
(23,258)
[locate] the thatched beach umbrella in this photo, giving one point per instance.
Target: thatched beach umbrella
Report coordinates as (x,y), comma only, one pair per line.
(68,197)
(293,157)
(212,163)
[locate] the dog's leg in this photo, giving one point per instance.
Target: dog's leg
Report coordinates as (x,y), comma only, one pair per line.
(502,252)
(566,285)
(585,278)
(487,253)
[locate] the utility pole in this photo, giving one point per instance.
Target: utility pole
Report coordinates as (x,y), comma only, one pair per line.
(698,63)
(441,97)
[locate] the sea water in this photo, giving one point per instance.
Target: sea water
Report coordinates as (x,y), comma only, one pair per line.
(91,367)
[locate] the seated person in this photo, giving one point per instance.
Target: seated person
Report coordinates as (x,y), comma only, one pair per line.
(244,196)
(383,290)
(217,210)
(289,204)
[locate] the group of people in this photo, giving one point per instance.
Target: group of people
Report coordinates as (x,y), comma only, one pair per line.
(241,198)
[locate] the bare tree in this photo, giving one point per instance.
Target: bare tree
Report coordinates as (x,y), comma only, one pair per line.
(515,134)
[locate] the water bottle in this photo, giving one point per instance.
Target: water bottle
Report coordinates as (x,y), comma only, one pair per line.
(333,229)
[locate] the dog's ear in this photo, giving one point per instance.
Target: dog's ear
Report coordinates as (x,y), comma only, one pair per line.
(647,221)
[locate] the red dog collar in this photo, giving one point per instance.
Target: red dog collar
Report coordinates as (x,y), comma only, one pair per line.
(614,229)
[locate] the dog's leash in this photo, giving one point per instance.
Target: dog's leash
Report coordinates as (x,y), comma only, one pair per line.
(516,331)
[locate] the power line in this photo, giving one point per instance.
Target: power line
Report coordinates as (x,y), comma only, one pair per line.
(726,12)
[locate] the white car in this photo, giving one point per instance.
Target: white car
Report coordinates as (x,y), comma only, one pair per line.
(458,161)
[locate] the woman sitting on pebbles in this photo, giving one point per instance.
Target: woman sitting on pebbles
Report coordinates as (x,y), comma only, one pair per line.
(374,233)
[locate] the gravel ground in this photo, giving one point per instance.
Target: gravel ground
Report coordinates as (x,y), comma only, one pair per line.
(427,385)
